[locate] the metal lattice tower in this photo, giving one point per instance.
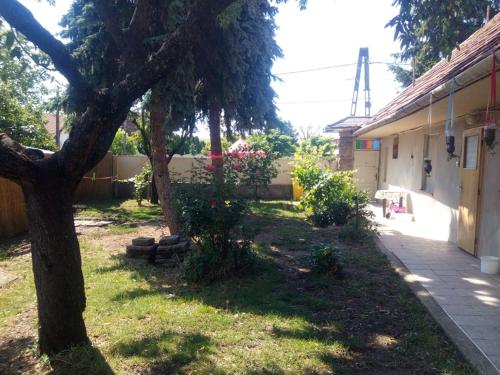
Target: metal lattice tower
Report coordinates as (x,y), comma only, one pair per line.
(363,59)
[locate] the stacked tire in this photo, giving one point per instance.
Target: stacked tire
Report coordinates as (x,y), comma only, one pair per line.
(169,250)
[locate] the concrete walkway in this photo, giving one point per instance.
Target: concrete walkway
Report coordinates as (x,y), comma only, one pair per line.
(452,277)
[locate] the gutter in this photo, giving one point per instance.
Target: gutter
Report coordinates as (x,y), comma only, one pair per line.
(468,77)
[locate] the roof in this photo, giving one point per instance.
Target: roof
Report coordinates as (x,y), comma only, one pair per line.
(345,123)
(50,122)
(238,145)
(473,50)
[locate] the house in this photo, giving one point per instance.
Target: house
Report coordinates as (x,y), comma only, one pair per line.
(53,128)
(456,192)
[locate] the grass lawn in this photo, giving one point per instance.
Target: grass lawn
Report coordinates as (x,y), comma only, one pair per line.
(144,319)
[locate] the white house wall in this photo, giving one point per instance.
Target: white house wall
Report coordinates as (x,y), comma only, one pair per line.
(437,208)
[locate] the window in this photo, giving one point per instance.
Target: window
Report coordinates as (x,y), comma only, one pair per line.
(395,147)
(470,152)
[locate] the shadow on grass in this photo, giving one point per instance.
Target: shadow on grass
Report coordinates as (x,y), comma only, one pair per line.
(120,211)
(19,356)
(346,317)
(81,360)
(14,247)
(175,351)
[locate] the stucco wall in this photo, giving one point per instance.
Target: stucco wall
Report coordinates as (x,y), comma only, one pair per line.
(128,166)
(436,207)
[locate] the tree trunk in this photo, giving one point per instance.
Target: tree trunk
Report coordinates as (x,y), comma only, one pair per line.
(57,264)
(214,117)
(160,161)
(154,190)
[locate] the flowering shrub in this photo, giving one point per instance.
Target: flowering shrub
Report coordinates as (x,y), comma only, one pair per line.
(210,213)
(141,183)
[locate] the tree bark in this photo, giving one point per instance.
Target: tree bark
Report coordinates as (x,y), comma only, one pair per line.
(214,117)
(154,190)
(160,161)
(56,262)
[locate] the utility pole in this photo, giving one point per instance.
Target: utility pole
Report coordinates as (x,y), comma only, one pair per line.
(363,59)
(58,125)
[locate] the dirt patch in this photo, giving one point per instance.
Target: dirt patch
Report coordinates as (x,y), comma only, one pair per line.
(18,346)
(6,278)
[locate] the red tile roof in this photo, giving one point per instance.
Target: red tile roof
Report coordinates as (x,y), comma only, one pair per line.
(477,47)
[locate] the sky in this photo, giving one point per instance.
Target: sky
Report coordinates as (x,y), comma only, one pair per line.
(327,33)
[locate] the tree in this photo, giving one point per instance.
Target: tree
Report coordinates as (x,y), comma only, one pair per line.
(21,95)
(124,144)
(129,68)
(273,141)
(428,30)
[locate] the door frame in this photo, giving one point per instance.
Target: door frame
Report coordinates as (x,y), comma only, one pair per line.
(480,160)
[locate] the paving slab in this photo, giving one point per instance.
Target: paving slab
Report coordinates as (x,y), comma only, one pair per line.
(452,277)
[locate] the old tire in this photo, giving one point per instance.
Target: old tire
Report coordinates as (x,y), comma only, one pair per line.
(143,241)
(142,252)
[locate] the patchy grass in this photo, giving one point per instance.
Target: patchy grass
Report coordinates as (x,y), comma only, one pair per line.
(282,320)
(120,211)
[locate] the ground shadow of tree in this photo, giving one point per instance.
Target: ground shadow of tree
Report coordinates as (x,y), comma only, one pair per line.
(179,350)
(358,312)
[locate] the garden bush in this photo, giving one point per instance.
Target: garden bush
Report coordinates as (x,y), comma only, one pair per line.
(333,199)
(141,183)
(211,213)
(327,260)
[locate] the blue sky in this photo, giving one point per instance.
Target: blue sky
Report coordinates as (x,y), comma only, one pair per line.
(328,32)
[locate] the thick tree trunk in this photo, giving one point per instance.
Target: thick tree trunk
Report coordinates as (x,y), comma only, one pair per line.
(214,117)
(160,161)
(57,264)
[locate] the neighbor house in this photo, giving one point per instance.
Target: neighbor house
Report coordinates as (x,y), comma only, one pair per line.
(454,192)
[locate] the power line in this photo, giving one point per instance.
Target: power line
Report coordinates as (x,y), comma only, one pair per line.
(337,66)
(315,102)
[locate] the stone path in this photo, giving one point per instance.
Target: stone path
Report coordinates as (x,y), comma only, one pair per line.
(452,277)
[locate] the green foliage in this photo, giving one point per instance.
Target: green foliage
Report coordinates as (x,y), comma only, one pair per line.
(317,145)
(207,263)
(211,214)
(125,144)
(21,93)
(190,146)
(429,30)
(273,141)
(327,260)
(22,122)
(333,199)
(310,157)
(257,168)
(141,183)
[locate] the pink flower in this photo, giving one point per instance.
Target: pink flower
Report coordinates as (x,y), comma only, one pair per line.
(257,173)
(209,168)
(212,203)
(237,166)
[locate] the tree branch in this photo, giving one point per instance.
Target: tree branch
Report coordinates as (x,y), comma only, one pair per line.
(14,164)
(20,18)
(202,13)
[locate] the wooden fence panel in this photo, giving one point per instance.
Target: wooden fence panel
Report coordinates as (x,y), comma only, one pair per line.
(98,183)
(13,219)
